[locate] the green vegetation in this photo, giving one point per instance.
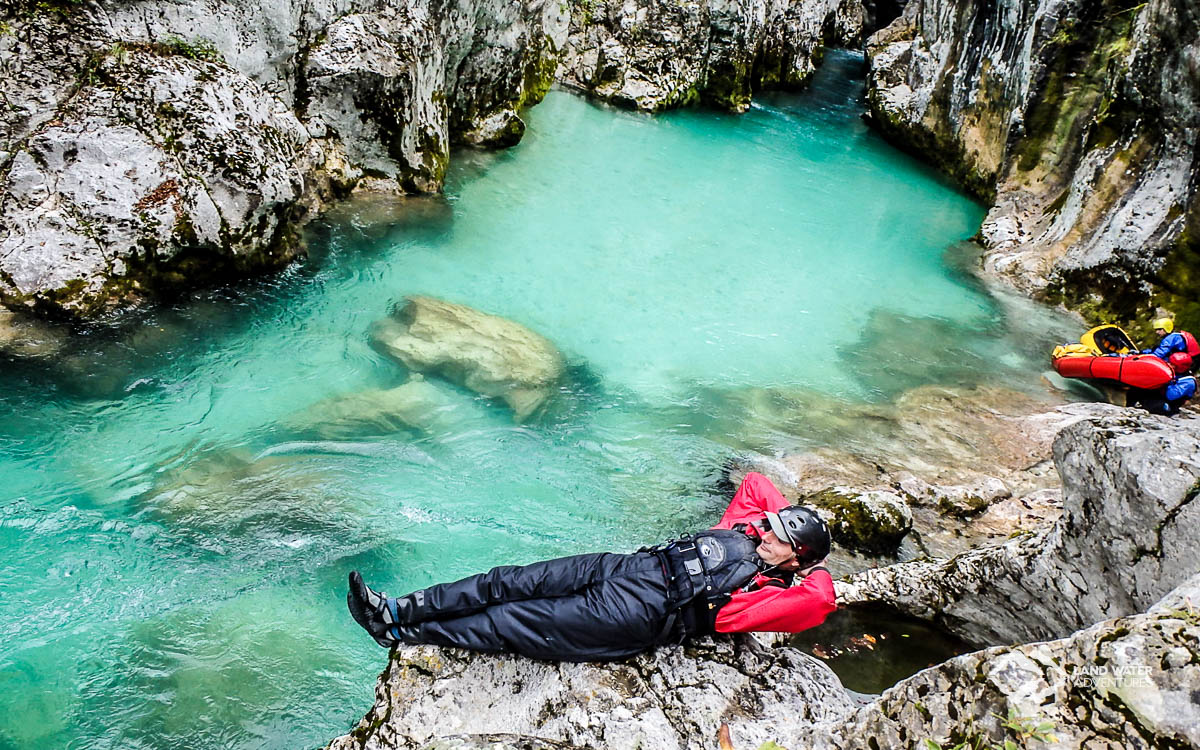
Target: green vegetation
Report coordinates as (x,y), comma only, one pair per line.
(1187,613)
(36,8)
(1022,730)
(586,9)
(197,49)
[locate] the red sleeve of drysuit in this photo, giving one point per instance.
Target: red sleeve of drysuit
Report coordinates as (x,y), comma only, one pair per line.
(754,497)
(779,609)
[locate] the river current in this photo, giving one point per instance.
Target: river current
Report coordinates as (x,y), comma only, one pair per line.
(173,553)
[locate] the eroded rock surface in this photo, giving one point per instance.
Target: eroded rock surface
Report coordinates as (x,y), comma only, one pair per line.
(670,698)
(654,55)
(149,147)
(160,171)
(1127,535)
(1124,683)
(1077,120)
(490,355)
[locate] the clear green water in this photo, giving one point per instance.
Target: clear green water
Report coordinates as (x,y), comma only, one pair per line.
(164,584)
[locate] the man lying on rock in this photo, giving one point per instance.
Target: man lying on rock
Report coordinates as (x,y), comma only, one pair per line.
(734,578)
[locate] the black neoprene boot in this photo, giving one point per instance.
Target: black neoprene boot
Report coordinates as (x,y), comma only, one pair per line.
(369,609)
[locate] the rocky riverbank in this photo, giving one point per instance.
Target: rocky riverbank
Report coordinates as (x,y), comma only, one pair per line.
(1077,122)
(1114,580)
(140,157)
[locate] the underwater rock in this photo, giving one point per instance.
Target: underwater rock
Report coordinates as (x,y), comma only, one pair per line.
(24,336)
(416,406)
(488,354)
(1076,121)
(655,56)
(672,698)
(949,453)
(232,491)
(1123,683)
(873,522)
(1127,535)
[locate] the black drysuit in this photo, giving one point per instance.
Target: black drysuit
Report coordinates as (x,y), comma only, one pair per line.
(585,607)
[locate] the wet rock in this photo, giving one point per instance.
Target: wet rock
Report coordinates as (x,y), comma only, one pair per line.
(417,406)
(1127,535)
(24,336)
(670,698)
(1040,107)
(488,354)
(872,522)
(1123,683)
(654,56)
(949,453)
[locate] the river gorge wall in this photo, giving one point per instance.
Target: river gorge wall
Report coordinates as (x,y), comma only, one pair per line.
(1077,122)
(150,147)
(147,148)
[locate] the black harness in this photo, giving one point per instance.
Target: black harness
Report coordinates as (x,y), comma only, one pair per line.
(703,571)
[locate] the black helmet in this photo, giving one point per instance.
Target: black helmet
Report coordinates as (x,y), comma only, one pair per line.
(804,530)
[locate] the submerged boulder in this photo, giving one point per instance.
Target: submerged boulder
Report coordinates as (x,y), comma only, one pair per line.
(490,355)
(416,406)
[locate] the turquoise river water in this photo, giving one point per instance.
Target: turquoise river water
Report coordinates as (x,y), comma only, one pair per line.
(173,552)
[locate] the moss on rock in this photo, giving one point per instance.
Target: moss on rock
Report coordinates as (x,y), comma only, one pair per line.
(872,522)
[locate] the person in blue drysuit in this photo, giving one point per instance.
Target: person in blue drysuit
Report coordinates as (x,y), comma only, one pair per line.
(1171,341)
(1169,400)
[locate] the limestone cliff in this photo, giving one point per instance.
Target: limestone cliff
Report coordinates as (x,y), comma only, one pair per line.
(1077,120)
(658,54)
(148,146)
